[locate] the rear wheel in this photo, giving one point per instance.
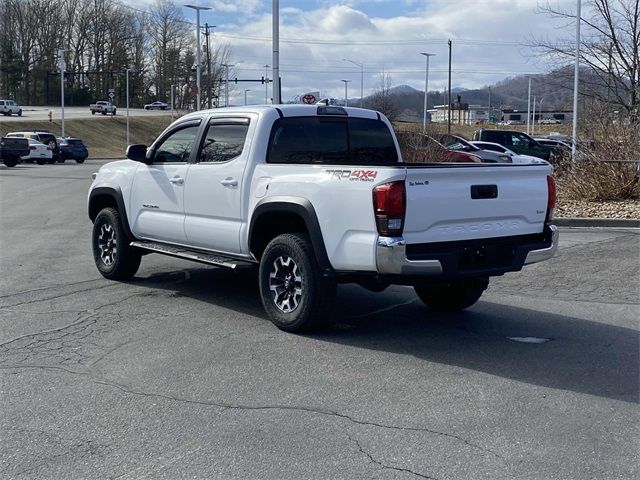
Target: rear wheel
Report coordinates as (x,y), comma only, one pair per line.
(80,160)
(295,293)
(452,295)
(19,113)
(41,161)
(113,256)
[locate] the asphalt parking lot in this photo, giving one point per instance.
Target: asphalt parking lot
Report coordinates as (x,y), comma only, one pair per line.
(177,374)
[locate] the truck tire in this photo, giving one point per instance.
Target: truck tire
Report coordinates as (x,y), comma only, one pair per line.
(295,294)
(452,295)
(114,112)
(10,162)
(93,112)
(20,112)
(113,256)
(80,160)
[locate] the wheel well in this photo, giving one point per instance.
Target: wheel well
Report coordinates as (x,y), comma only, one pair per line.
(99,202)
(271,224)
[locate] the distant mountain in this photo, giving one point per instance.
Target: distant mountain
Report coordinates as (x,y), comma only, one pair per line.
(401,89)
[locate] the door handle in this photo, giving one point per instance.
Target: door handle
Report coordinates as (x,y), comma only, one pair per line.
(229,182)
(177,180)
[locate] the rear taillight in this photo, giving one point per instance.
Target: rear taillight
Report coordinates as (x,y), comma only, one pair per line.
(389,206)
(551,197)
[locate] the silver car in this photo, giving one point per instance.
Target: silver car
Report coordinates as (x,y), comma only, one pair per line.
(453,142)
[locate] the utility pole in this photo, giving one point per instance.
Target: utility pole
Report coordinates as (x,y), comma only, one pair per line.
(276,50)
(245,95)
(575,83)
(449,106)
(266,84)
(198,60)
(533,120)
(172,101)
(426,91)
(346,101)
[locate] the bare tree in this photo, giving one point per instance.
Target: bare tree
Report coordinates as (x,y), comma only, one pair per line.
(382,100)
(609,51)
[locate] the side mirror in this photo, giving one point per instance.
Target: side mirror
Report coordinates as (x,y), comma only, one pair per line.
(137,153)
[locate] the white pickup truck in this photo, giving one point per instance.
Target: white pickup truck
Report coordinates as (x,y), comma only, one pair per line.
(315,196)
(103,107)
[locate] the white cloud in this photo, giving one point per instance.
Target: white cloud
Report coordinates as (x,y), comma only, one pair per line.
(485,37)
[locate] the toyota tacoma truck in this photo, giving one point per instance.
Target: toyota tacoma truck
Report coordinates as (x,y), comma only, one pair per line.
(315,196)
(102,107)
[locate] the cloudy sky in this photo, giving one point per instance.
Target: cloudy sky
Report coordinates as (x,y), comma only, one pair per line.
(488,39)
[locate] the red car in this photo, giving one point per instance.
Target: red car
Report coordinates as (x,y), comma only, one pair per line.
(424,149)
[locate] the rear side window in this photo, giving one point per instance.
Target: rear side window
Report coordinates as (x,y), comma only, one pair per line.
(223,142)
(331,140)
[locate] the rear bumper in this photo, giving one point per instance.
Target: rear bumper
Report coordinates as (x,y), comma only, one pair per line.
(486,257)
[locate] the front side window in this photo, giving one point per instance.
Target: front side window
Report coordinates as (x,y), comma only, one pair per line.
(223,142)
(176,148)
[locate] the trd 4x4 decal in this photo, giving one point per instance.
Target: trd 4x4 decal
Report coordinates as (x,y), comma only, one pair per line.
(353,175)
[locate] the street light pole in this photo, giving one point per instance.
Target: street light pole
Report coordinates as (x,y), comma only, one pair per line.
(245,95)
(449,106)
(226,83)
(361,65)
(276,50)
(426,91)
(127,86)
(172,101)
(575,82)
(346,82)
(198,61)
(529,106)
(62,66)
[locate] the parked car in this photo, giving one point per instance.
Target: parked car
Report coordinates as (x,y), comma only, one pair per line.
(515,122)
(459,144)
(426,149)
(515,158)
(266,186)
(12,150)
(9,107)
(38,152)
(103,107)
(73,149)
(157,105)
(519,142)
(45,137)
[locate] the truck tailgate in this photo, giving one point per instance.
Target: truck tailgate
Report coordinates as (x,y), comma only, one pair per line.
(467,202)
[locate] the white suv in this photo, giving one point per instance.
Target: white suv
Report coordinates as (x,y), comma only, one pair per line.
(9,107)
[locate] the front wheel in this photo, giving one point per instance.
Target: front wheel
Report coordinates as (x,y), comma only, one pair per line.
(114,113)
(452,295)
(113,256)
(295,294)
(10,162)
(19,113)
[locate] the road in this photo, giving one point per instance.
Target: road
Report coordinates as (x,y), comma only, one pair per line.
(42,113)
(178,374)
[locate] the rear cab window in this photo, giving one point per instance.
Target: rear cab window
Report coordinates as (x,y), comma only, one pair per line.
(336,140)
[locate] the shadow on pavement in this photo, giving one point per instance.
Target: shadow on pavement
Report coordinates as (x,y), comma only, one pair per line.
(582,356)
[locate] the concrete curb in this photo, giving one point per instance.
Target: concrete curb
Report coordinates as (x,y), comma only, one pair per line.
(597,222)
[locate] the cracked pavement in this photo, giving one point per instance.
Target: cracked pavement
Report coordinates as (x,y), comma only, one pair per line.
(177,374)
